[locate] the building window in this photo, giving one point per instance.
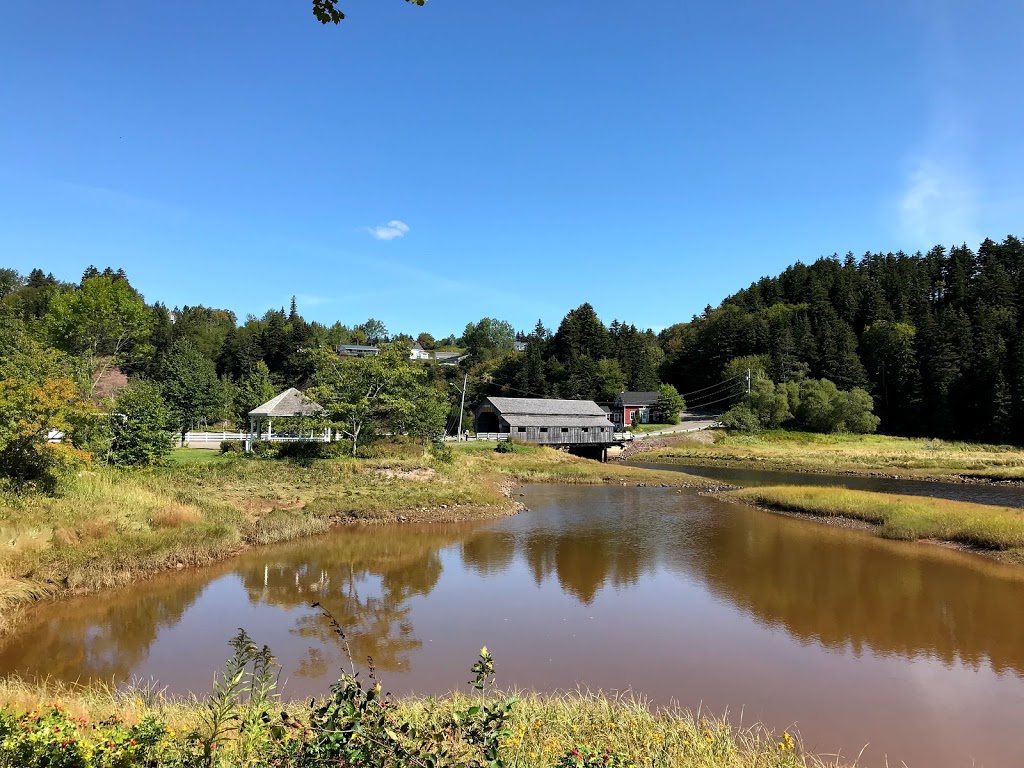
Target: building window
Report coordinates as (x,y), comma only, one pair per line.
(565,429)
(520,429)
(586,429)
(543,429)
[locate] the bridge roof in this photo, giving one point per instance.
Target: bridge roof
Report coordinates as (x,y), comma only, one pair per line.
(539,406)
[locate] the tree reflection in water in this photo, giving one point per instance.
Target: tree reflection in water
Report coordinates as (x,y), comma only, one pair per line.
(102,637)
(831,586)
(365,576)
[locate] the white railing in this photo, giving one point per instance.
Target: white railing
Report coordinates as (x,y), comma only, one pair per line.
(479,436)
(217,437)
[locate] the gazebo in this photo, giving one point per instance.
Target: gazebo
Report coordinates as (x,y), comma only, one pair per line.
(290,404)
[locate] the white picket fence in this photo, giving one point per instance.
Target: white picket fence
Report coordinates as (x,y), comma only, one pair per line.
(214,439)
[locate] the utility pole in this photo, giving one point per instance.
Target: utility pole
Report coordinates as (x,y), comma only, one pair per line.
(748,381)
(462,405)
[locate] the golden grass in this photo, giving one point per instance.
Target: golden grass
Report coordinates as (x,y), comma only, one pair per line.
(543,726)
(849,453)
(908,518)
(110,526)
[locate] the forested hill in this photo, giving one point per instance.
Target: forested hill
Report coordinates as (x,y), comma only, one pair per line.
(936,338)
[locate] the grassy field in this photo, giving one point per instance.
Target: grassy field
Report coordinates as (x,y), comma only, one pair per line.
(909,518)
(109,527)
(640,429)
(865,454)
(541,731)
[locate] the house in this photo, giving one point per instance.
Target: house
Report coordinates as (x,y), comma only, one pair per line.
(356,350)
(416,353)
(569,423)
(518,346)
(635,408)
(449,358)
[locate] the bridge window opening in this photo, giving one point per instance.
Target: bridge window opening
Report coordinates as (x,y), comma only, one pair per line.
(586,429)
(543,429)
(520,429)
(565,429)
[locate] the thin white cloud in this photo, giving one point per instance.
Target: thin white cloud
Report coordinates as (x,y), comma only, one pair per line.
(106,197)
(393,229)
(939,204)
(311,300)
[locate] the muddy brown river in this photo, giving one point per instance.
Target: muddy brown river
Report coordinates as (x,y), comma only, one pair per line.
(912,653)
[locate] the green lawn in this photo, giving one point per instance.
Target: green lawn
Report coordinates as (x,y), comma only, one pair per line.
(641,429)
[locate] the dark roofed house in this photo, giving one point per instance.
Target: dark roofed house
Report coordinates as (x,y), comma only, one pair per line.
(356,350)
(636,408)
(571,423)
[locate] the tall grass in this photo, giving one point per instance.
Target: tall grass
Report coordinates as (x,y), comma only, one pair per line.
(542,728)
(849,453)
(900,517)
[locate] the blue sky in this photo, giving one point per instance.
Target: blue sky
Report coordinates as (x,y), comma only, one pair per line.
(650,158)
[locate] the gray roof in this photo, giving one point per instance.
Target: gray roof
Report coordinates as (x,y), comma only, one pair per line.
(518,420)
(637,398)
(357,348)
(291,402)
(537,406)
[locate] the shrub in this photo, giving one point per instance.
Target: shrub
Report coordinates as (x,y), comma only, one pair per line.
(232,446)
(265,449)
(52,738)
(505,446)
(305,451)
(442,452)
(741,418)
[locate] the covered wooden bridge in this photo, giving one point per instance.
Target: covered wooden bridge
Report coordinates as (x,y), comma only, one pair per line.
(582,426)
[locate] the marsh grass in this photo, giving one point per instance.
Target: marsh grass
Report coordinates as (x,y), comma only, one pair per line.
(110,526)
(907,518)
(541,730)
(849,453)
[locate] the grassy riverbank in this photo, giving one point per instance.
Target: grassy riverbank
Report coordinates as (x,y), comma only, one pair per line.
(861,454)
(541,731)
(110,527)
(997,529)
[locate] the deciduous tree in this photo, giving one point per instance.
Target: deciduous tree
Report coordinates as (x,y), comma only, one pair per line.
(383,392)
(141,426)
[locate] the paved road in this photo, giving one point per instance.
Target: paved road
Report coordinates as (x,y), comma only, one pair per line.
(690,422)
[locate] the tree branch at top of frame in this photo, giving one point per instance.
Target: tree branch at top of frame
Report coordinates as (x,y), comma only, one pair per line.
(327,11)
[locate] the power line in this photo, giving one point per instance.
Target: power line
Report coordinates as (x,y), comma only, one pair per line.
(705,405)
(691,406)
(714,392)
(718,392)
(714,386)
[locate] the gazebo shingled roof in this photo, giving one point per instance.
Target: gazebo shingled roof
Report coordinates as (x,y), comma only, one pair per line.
(291,402)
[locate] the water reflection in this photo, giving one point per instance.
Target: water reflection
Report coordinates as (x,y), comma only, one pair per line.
(846,588)
(832,586)
(104,637)
(672,593)
(365,577)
